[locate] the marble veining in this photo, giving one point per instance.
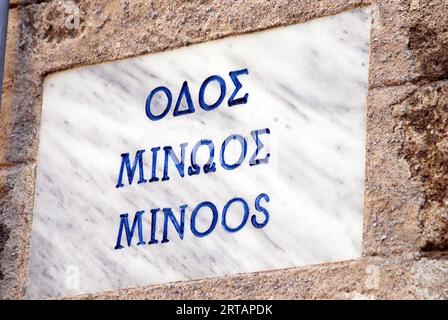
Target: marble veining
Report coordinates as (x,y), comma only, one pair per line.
(307,83)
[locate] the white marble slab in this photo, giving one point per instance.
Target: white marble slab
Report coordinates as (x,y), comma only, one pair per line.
(306,83)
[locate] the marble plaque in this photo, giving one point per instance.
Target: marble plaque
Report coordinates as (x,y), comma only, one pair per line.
(238,155)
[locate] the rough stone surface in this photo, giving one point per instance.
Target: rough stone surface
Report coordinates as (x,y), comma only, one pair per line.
(392,201)
(406,220)
(391,62)
(371,278)
(429,278)
(57,35)
(428,38)
(424,126)
(16,203)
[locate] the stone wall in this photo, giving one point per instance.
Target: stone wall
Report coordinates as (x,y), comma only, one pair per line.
(406,215)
